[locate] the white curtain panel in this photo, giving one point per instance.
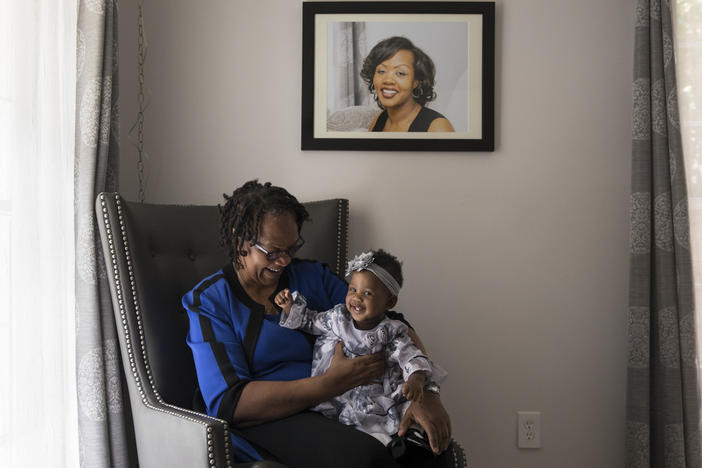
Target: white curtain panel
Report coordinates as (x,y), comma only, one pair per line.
(38,424)
(688,65)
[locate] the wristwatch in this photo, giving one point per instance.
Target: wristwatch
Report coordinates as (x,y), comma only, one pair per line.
(432,387)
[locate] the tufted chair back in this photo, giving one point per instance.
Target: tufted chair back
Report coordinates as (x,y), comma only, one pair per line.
(154,254)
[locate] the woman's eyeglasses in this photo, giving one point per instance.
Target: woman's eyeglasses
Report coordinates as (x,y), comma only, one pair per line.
(276,254)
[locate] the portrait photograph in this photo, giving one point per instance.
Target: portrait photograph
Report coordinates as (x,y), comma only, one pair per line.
(349,45)
(417,78)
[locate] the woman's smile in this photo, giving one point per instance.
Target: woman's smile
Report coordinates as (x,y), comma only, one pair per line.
(271,271)
(388,93)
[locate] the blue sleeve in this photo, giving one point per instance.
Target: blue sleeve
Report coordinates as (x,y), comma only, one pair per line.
(335,286)
(322,288)
(218,353)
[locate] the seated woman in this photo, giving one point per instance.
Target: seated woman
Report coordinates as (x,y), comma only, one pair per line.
(400,76)
(256,374)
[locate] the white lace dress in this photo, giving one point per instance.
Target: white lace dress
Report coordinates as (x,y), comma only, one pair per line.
(377,408)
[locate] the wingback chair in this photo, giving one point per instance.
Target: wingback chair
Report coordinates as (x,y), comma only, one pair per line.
(153,255)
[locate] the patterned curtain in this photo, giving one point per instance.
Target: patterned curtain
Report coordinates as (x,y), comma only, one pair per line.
(105,428)
(663,401)
(347,51)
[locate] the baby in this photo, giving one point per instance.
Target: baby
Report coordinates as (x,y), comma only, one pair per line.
(374,279)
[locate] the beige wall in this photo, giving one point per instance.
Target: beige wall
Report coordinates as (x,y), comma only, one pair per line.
(515,261)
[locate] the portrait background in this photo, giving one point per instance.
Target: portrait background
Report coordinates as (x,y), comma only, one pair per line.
(348,44)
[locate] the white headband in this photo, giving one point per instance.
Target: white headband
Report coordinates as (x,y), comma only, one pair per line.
(364,261)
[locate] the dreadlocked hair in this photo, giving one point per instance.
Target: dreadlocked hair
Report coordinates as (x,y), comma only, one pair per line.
(243,212)
(390,263)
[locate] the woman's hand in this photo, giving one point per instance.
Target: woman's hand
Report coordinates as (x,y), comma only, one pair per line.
(431,415)
(262,401)
(413,389)
(345,373)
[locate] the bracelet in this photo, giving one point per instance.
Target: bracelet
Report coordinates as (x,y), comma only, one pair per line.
(432,387)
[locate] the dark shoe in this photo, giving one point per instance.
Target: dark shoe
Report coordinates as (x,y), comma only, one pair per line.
(417,436)
(397,446)
(415,439)
(413,451)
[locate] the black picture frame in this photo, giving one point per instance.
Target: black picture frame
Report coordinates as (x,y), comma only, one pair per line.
(479,130)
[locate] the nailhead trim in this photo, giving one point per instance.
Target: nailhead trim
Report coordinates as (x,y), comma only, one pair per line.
(341,234)
(123,315)
(459,459)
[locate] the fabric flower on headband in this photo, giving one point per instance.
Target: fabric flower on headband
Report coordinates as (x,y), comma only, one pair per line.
(364,261)
(359,262)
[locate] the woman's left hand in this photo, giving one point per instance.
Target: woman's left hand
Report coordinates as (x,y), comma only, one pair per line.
(431,415)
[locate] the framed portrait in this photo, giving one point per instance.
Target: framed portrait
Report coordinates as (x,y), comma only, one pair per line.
(405,76)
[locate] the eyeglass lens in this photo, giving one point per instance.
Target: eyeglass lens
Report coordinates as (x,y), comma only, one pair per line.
(279,253)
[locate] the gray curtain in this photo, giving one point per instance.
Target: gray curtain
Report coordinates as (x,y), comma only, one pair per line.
(346,87)
(104,421)
(663,401)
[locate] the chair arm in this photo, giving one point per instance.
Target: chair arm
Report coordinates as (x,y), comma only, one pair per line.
(170,436)
(181,437)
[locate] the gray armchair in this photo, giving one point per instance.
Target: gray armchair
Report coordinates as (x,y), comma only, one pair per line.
(154,254)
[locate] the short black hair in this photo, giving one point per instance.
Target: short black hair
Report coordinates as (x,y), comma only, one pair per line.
(244,210)
(424,70)
(390,263)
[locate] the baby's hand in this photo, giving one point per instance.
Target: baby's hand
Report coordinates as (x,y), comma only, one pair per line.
(284,300)
(413,389)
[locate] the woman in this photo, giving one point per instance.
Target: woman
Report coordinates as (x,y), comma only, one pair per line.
(256,374)
(400,76)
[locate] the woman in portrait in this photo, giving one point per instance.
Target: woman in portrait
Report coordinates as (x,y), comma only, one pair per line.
(400,76)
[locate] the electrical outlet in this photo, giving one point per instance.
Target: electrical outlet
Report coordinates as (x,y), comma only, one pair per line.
(529,429)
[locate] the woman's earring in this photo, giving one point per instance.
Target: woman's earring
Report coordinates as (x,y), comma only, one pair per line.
(374,93)
(419,93)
